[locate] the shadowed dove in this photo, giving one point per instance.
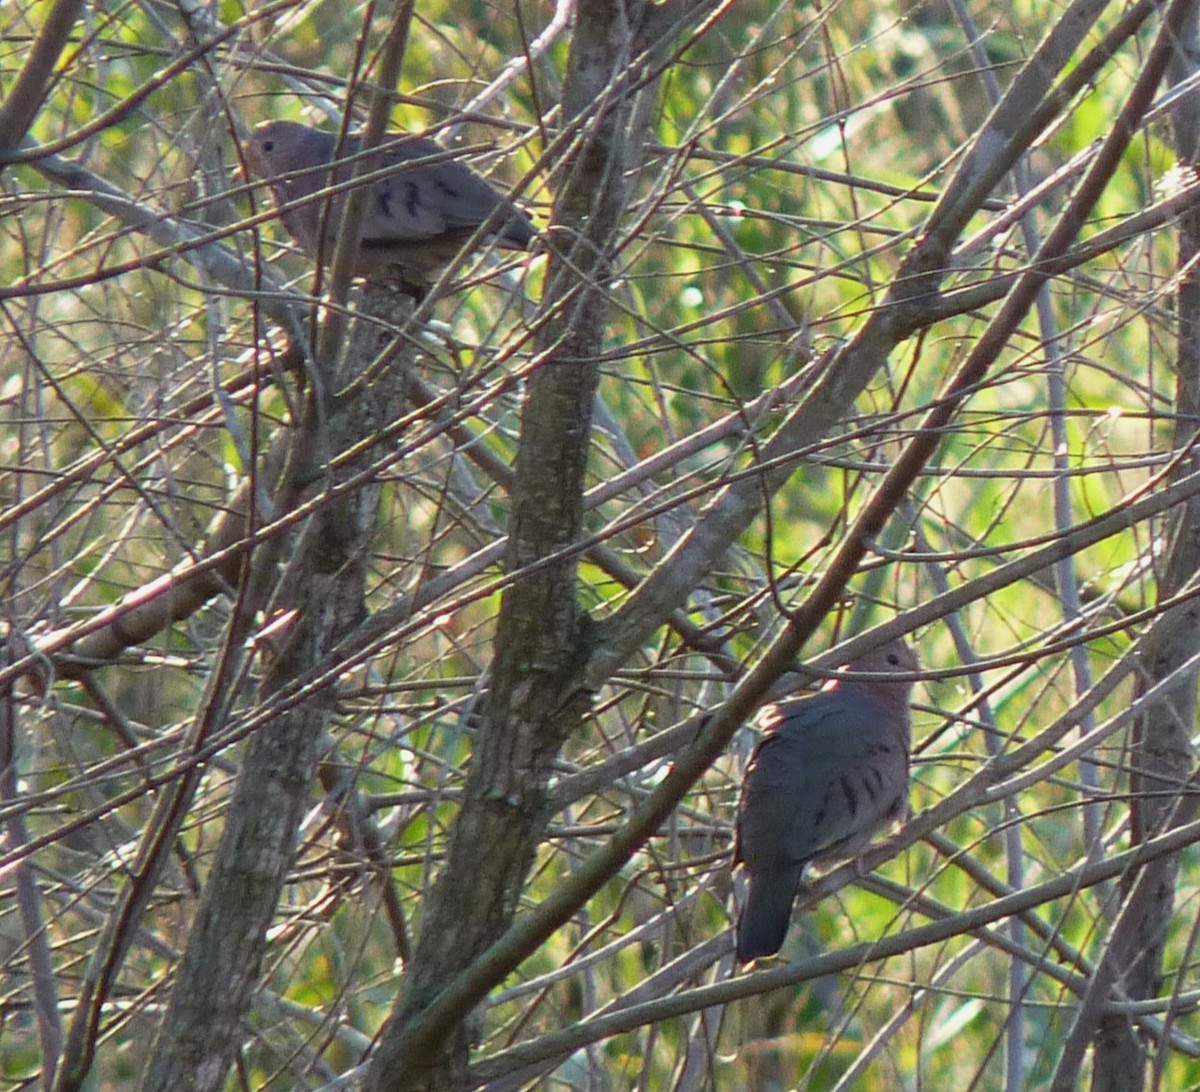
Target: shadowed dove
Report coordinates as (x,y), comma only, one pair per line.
(831,771)
(417,218)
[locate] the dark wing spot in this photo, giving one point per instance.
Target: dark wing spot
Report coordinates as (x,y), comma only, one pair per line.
(849,794)
(819,816)
(893,659)
(412,200)
(383,200)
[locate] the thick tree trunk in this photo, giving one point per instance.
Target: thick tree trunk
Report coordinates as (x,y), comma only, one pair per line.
(535,696)
(1161,754)
(323,591)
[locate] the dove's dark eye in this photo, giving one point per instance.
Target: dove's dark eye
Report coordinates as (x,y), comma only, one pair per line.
(268,145)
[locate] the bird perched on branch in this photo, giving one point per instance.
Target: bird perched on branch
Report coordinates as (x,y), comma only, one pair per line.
(831,771)
(417,218)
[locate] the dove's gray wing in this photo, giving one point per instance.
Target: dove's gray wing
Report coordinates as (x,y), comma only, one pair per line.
(832,770)
(424,201)
(830,774)
(416,218)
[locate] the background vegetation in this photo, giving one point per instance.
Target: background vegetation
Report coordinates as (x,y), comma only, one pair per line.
(365,659)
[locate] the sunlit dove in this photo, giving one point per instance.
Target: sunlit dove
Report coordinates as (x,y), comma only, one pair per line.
(417,217)
(831,771)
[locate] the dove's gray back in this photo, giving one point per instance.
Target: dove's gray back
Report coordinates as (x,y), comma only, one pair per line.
(417,216)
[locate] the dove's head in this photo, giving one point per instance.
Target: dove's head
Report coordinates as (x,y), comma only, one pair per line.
(893,658)
(278,148)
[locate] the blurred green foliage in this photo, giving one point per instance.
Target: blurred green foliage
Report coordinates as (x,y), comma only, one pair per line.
(814,144)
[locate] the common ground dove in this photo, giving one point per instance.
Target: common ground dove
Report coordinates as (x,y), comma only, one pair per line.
(831,771)
(417,218)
